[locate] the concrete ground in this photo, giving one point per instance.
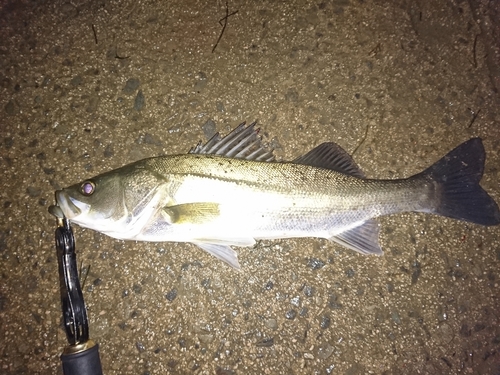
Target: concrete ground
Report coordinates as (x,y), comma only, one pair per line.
(90,86)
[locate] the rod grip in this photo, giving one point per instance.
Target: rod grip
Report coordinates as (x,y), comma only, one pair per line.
(82,359)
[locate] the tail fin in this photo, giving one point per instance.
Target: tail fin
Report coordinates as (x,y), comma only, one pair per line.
(458,173)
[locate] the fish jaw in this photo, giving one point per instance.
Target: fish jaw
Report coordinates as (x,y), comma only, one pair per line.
(68,207)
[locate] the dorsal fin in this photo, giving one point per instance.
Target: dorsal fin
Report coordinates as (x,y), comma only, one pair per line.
(330,155)
(242,143)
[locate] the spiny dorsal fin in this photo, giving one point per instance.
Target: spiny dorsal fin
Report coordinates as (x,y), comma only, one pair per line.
(330,155)
(241,143)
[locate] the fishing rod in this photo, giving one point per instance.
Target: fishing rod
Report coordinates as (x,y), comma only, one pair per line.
(81,356)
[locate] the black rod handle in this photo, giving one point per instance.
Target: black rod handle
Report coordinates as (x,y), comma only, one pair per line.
(82,359)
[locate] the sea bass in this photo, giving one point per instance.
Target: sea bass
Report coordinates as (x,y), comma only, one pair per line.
(232,192)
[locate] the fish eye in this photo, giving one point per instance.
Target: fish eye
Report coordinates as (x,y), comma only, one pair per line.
(87,188)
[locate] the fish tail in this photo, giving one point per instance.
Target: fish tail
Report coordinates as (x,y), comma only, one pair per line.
(458,174)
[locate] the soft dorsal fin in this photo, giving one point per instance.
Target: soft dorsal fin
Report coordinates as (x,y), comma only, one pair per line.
(330,155)
(242,143)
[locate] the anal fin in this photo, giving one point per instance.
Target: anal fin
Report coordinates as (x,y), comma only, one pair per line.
(222,252)
(363,238)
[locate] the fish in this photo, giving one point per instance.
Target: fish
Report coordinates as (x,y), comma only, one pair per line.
(231,191)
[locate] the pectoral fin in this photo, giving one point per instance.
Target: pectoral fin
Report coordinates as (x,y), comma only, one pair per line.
(363,238)
(222,252)
(193,213)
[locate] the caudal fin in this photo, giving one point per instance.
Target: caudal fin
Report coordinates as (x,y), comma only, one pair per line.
(458,174)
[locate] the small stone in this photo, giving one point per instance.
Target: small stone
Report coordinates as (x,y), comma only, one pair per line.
(8,142)
(3,303)
(325,322)
(209,129)
(291,314)
(265,342)
(137,288)
(206,338)
(131,85)
(139,101)
(295,301)
(271,323)
(390,287)
(395,317)
(350,272)
(151,139)
(48,170)
(140,346)
(220,106)
(170,296)
(93,104)
(464,330)
(315,263)
(69,10)
(416,272)
(224,371)
(76,81)
(308,291)
(108,152)
(333,302)
(182,342)
(292,95)
(206,283)
(325,352)
(445,334)
(201,83)
(479,327)
(33,191)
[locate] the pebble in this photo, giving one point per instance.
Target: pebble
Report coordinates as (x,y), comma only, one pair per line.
(209,129)
(139,101)
(315,263)
(325,352)
(131,85)
(271,323)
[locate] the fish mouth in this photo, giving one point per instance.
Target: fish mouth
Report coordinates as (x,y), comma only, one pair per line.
(66,206)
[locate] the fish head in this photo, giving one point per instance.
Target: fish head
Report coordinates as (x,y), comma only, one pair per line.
(96,203)
(119,203)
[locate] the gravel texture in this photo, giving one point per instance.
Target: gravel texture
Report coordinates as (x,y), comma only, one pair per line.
(90,86)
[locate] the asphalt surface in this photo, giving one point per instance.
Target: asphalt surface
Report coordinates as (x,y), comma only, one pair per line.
(89,87)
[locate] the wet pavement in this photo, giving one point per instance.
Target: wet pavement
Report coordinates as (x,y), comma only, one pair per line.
(90,87)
